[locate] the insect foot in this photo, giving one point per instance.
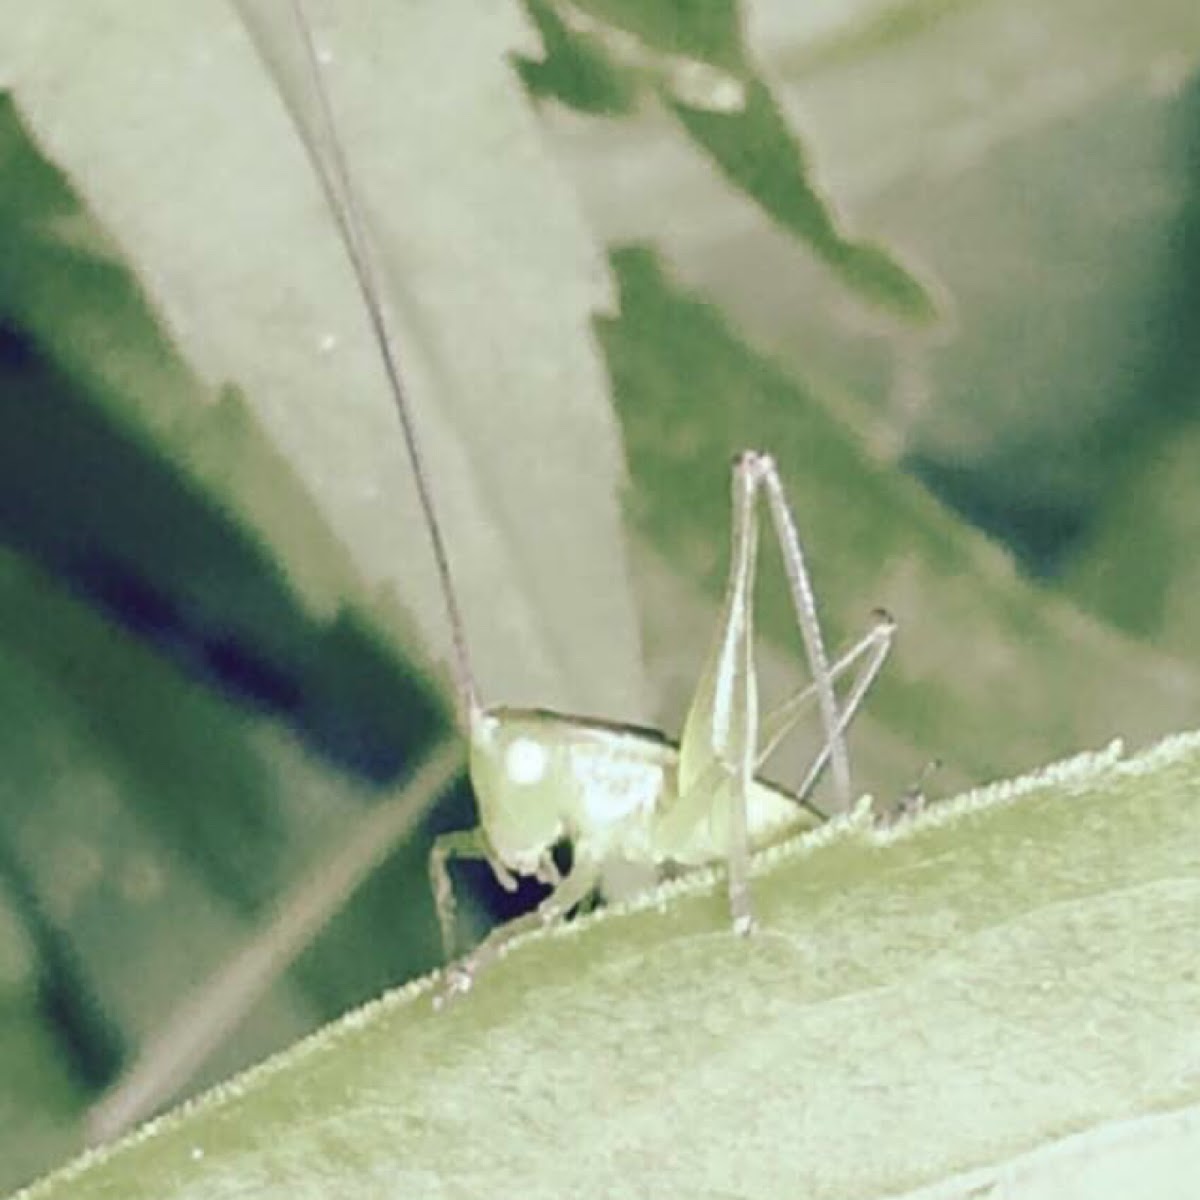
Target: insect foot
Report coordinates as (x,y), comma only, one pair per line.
(456,981)
(744,925)
(911,803)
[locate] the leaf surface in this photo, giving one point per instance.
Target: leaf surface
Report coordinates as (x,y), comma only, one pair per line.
(935,1005)
(195,173)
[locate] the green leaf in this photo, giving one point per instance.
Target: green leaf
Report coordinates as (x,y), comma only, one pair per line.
(755,147)
(196,174)
(1039,159)
(18,961)
(135,803)
(709,32)
(1042,159)
(574,68)
(990,673)
(965,1001)
(597,53)
(186,203)
(1138,568)
(40,1103)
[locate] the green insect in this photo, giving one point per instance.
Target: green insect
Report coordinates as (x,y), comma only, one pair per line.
(627,793)
(615,791)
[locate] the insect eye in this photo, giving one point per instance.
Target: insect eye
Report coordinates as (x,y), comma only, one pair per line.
(525,761)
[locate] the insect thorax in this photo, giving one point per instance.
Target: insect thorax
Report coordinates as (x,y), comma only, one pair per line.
(540,777)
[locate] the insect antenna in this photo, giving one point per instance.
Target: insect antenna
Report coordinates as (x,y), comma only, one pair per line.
(325,149)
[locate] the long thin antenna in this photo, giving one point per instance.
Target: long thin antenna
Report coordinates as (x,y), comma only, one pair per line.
(337,183)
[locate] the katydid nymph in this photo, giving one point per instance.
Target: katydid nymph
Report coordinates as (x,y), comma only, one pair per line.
(609,790)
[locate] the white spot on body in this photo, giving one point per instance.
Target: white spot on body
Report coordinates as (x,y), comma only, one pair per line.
(613,787)
(328,343)
(525,761)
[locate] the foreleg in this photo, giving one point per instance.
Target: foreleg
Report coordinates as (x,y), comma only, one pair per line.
(465,844)
(574,888)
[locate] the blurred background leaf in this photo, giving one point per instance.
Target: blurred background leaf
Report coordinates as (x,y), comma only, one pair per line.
(946,246)
(594,56)
(989,671)
(192,593)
